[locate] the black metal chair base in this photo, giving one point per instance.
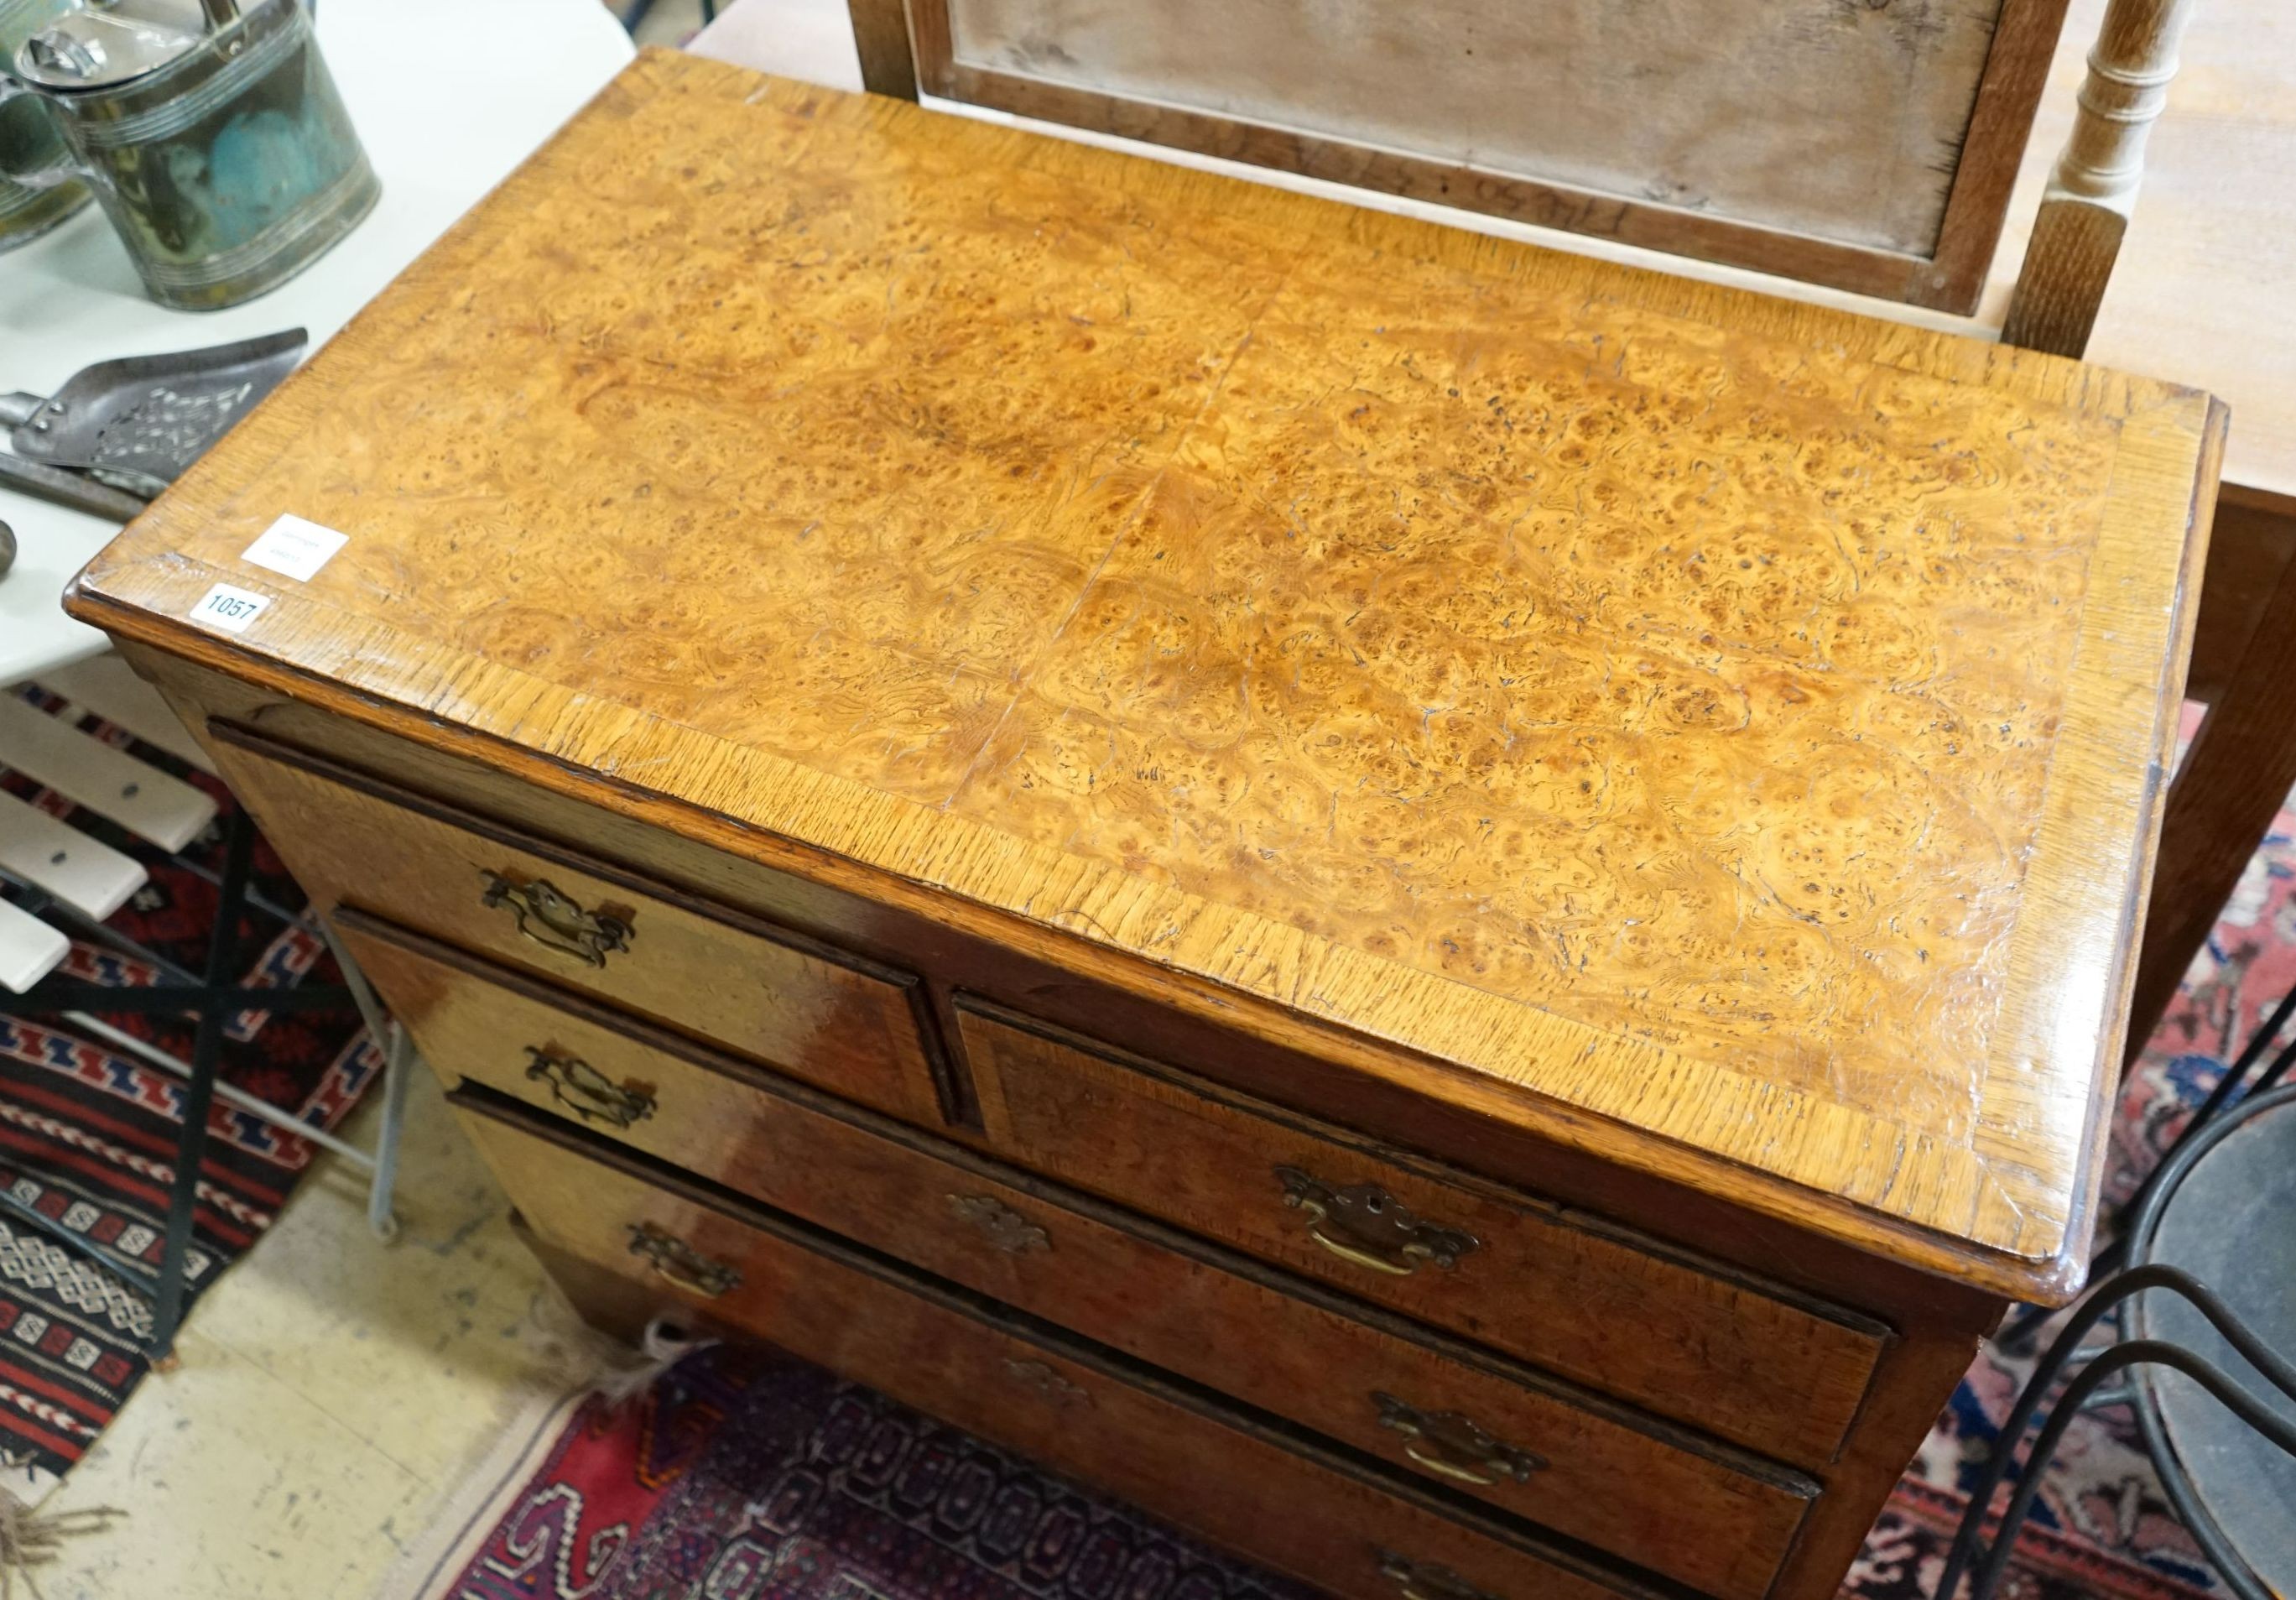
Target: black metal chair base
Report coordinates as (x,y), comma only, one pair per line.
(214,1000)
(2271,1421)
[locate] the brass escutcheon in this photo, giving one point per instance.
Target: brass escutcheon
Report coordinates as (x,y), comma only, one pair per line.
(588,1092)
(1364,1225)
(1453,1444)
(1007,1229)
(1427,1579)
(681,1266)
(1047,1382)
(555,921)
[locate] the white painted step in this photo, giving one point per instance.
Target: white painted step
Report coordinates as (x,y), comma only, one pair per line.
(29,948)
(84,873)
(108,686)
(143,800)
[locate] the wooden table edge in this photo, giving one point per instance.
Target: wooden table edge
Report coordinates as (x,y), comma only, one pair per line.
(1994,1226)
(2049,1277)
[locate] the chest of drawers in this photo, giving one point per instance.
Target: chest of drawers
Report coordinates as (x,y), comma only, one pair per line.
(1456,916)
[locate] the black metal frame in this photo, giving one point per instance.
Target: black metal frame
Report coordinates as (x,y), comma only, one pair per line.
(2020,1329)
(2204,1134)
(214,998)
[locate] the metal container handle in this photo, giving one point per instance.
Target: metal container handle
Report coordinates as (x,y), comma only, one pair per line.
(56,173)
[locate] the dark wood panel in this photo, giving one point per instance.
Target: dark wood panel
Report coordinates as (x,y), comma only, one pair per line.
(1775,1373)
(2233,780)
(1885,274)
(880,37)
(1315,1511)
(1941,1318)
(1571,1460)
(2250,546)
(1925,236)
(822,1014)
(2016,71)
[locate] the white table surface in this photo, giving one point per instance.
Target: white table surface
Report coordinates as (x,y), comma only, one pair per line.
(447,96)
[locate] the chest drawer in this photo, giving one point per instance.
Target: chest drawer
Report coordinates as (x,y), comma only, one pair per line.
(822,1014)
(1228,1474)
(1628,1316)
(1572,1461)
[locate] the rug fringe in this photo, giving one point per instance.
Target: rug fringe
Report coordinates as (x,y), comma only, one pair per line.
(32,1539)
(618,1372)
(664,1344)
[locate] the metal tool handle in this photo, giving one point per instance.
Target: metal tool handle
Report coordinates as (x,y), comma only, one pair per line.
(1453,1445)
(555,921)
(67,488)
(58,172)
(681,1266)
(588,1092)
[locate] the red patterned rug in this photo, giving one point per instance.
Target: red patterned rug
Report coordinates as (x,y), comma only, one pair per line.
(743,1474)
(88,1132)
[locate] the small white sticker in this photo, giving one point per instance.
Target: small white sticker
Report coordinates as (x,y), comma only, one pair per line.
(228,608)
(295,548)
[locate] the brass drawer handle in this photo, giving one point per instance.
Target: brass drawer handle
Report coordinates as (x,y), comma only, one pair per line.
(1047,1382)
(681,1266)
(1427,1579)
(1364,1225)
(586,1091)
(555,922)
(1007,1229)
(1452,1443)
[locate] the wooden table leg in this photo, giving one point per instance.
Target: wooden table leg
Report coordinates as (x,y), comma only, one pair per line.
(2233,781)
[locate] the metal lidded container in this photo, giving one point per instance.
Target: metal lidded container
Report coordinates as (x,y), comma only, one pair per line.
(212,132)
(90,49)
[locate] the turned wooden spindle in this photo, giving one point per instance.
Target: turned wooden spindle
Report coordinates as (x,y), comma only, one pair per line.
(2086,210)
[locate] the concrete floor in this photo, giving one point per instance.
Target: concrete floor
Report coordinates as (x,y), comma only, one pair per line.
(332,1392)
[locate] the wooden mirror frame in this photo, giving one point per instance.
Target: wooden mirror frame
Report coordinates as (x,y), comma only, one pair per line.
(1948,279)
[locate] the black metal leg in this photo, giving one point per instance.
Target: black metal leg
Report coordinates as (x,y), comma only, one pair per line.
(214,998)
(2019,1330)
(2225,1088)
(199,1094)
(2137,1352)
(2018,1333)
(2273,1073)
(2092,1309)
(2087,1314)
(132,1272)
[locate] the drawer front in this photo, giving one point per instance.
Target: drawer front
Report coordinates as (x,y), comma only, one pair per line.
(831,1018)
(1234,1479)
(1574,1463)
(1570,1294)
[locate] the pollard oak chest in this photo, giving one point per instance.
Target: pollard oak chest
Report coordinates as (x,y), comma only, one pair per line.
(1455,916)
